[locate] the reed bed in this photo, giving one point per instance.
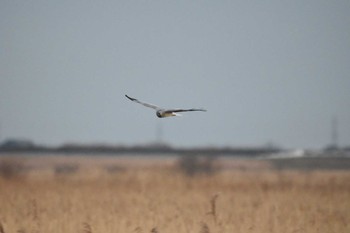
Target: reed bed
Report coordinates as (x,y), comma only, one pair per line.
(166,200)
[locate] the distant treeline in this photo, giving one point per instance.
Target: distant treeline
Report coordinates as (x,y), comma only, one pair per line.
(16,146)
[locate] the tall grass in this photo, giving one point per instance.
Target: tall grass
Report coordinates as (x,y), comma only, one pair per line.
(166,201)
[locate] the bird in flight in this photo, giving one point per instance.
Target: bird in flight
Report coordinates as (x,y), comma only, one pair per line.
(161,112)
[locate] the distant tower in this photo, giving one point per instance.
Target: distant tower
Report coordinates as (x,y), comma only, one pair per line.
(334,132)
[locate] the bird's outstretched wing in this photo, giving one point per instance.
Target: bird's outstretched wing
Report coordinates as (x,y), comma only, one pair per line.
(144,104)
(187,110)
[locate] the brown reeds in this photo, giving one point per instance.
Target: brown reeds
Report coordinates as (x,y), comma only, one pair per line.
(159,200)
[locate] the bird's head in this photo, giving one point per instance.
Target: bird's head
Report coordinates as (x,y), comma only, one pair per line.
(159,114)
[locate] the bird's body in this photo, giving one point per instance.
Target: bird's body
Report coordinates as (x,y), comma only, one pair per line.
(161,112)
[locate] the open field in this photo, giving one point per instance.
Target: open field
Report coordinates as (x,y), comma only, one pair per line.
(85,194)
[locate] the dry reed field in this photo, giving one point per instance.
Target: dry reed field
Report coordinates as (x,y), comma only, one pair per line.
(91,197)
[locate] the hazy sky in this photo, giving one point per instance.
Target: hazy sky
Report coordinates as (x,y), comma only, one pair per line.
(266,71)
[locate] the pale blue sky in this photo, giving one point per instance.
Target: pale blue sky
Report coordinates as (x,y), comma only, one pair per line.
(267,71)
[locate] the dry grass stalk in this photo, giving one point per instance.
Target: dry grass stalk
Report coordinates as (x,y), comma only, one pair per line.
(212,211)
(1,228)
(204,228)
(34,208)
(87,228)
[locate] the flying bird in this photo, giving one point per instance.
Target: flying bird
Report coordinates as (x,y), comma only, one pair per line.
(161,112)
